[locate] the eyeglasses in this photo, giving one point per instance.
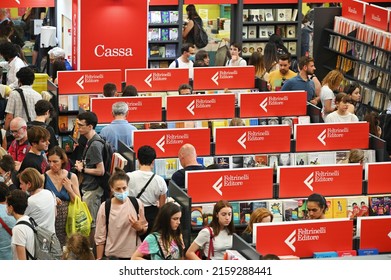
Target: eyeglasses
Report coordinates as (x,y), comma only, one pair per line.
(16,131)
(81,124)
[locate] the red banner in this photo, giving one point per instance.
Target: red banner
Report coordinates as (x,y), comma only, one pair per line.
(141,109)
(162,2)
(377,17)
(102,46)
(167,142)
(73,82)
(329,180)
(223,77)
(375,232)
(199,107)
(379,177)
(230,184)
(273,104)
(303,238)
(75,34)
(26,3)
(329,137)
(268,2)
(211,2)
(156,79)
(252,139)
(354,10)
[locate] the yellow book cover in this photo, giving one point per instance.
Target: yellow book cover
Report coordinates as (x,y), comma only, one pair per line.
(84,102)
(329,211)
(340,207)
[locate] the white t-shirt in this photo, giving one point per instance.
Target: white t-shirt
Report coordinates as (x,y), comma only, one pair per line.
(22,235)
(182,64)
(42,208)
(221,243)
(239,62)
(326,94)
(156,188)
(334,117)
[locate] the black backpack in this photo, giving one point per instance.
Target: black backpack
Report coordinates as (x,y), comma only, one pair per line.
(107,155)
(200,36)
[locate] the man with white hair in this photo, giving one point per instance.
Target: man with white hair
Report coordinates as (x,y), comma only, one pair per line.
(119,128)
(3,15)
(58,54)
(20,146)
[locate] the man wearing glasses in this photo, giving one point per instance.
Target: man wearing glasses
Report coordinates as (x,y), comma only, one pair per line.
(20,146)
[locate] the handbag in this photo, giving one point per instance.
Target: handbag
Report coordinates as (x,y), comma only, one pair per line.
(200,251)
(222,54)
(79,218)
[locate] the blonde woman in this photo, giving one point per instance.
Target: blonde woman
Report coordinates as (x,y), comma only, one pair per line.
(330,83)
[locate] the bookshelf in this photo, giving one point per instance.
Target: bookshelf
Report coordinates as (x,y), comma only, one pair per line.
(164,33)
(260,21)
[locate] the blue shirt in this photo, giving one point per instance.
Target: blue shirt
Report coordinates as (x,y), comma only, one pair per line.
(297,83)
(118,130)
(5,238)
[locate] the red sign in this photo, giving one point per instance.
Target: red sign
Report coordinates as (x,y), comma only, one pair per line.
(103,47)
(252,139)
(379,177)
(211,1)
(329,180)
(162,2)
(199,107)
(167,142)
(72,82)
(328,137)
(26,3)
(377,17)
(375,232)
(276,1)
(230,184)
(223,77)
(303,238)
(141,109)
(156,79)
(273,104)
(354,10)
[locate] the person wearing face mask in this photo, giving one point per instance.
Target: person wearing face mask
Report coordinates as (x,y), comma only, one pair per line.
(8,172)
(120,239)
(222,228)
(184,61)
(7,222)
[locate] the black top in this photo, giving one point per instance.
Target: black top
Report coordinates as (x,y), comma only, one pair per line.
(179,176)
(190,36)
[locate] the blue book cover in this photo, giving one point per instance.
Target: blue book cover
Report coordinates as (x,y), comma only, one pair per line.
(165,16)
(319,255)
(364,252)
(164,34)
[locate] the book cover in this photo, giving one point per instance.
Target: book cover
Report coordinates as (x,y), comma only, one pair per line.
(171,167)
(357,206)
(291,31)
(164,34)
(165,16)
(84,102)
(281,30)
(207,213)
(67,143)
(205,161)
(63,103)
(245,212)
(301,158)
(71,122)
(258,204)
(244,33)
(387,206)
(281,14)
(117,161)
(196,216)
(174,16)
(376,206)
(288,14)
(323,255)
(290,208)
(154,34)
(270,30)
(173,34)
(237,161)
(222,161)
(252,32)
(164,63)
(294,14)
(153,51)
(262,14)
(249,161)
(155,16)
(261,160)
(162,51)
(342,157)
(262,31)
(73,103)
(340,207)
(63,123)
(275,207)
(170,50)
(154,64)
(292,48)
(321,158)
(285,159)
(245,15)
(330,210)
(254,15)
(235,212)
(260,47)
(273,160)
(269,15)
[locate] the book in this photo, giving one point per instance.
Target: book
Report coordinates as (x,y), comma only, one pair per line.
(269,15)
(244,34)
(258,204)
(63,103)
(163,64)
(71,122)
(153,51)
(288,14)
(154,34)
(237,161)
(67,143)
(117,161)
(249,161)
(196,216)
(292,48)
(84,102)
(165,16)
(290,208)
(245,212)
(254,15)
(166,167)
(223,162)
(291,31)
(155,16)
(73,102)
(285,159)
(273,160)
(162,51)
(262,31)
(301,158)
(154,64)
(281,14)
(252,32)
(205,161)
(270,30)
(164,34)
(173,34)
(174,16)
(275,207)
(322,158)
(235,212)
(281,30)
(357,206)
(245,15)
(294,15)
(63,123)
(340,209)
(376,204)
(171,50)
(261,160)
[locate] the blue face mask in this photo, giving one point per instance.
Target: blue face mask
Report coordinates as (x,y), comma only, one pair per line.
(192,57)
(121,196)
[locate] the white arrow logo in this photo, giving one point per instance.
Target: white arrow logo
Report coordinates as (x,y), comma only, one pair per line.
(80,82)
(322,136)
(308,182)
(17,1)
(161,143)
(215,78)
(218,185)
(242,139)
(148,80)
(190,107)
(389,234)
(291,240)
(264,104)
